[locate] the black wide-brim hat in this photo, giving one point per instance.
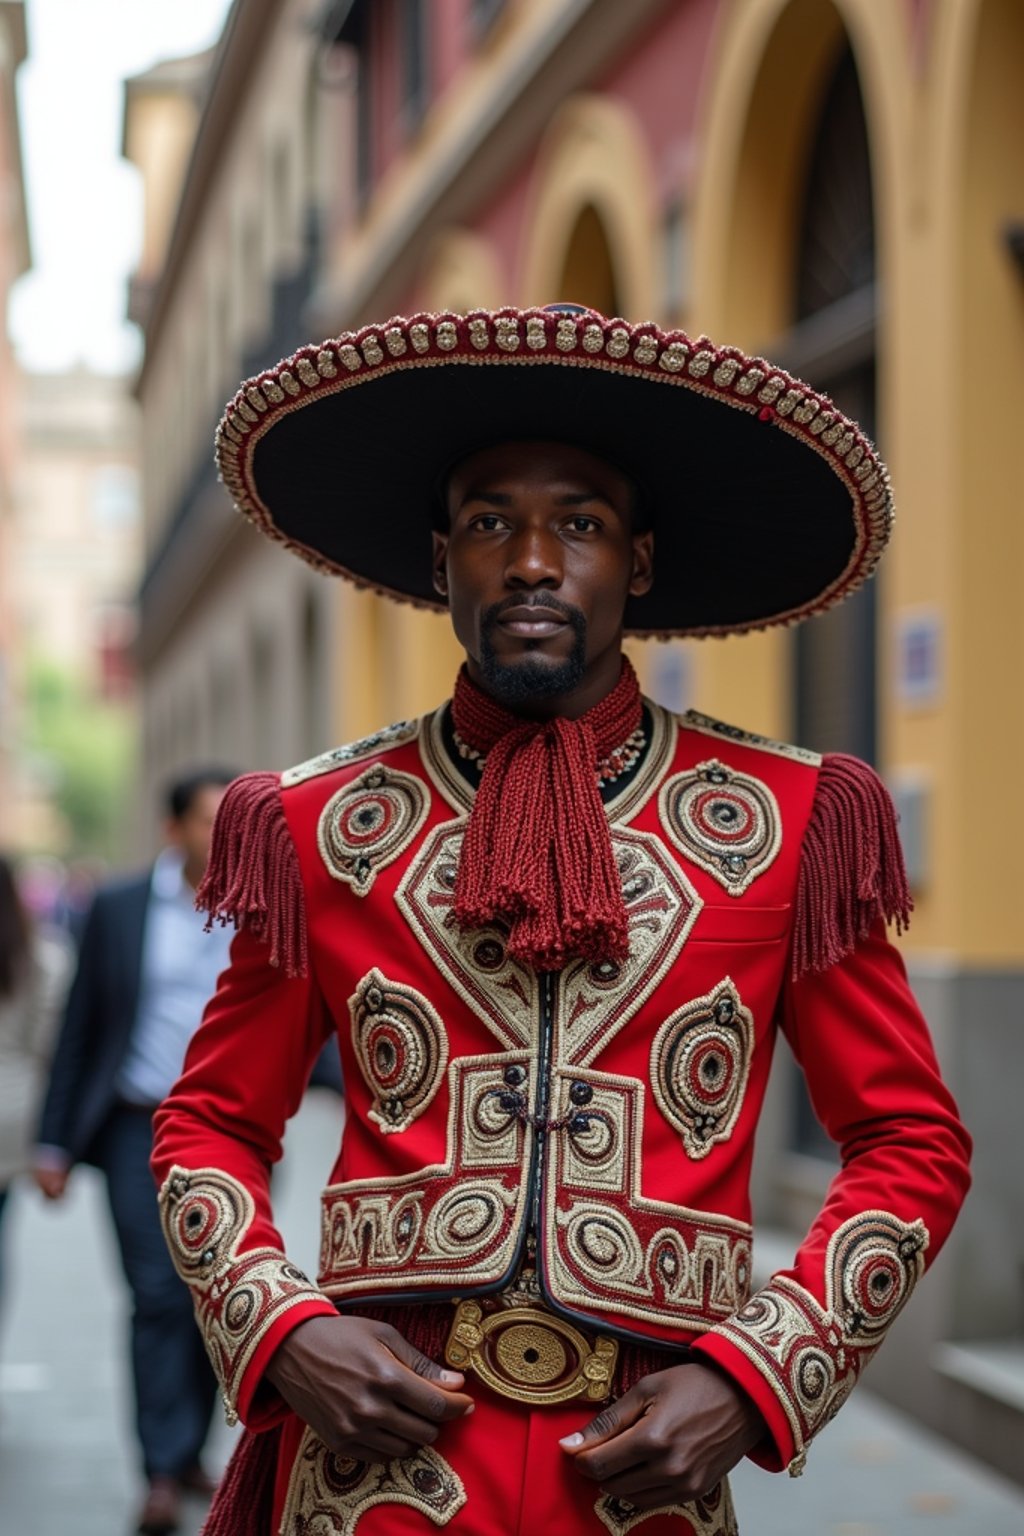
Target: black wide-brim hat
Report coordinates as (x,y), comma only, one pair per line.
(767,503)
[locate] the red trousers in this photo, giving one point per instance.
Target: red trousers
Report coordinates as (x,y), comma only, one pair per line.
(498,1472)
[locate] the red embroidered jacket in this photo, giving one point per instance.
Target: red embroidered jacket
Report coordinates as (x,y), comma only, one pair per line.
(741,860)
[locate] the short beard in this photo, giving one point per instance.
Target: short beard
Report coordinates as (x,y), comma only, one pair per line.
(521,683)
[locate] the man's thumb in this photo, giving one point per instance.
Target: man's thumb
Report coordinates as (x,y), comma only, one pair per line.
(603,1426)
(422,1364)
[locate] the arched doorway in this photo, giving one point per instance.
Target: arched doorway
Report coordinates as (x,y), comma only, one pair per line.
(588,274)
(833,343)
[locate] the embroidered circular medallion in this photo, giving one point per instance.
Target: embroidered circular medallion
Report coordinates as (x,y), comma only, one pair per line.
(700,1062)
(726,822)
(401,1047)
(366,825)
(876,1260)
(204,1220)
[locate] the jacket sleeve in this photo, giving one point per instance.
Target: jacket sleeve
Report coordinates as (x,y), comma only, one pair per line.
(76,1039)
(798,1346)
(216,1138)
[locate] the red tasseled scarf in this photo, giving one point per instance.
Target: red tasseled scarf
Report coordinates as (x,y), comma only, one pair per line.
(252,879)
(244,1503)
(851,866)
(537,853)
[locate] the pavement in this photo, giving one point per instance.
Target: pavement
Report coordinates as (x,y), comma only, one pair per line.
(67,1461)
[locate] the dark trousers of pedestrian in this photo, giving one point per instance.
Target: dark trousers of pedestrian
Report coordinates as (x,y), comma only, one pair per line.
(175,1388)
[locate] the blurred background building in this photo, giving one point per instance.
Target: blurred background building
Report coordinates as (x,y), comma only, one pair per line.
(836,183)
(15,259)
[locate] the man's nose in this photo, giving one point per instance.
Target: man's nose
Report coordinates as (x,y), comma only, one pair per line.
(534,559)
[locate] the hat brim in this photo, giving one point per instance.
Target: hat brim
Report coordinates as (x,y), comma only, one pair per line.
(767,505)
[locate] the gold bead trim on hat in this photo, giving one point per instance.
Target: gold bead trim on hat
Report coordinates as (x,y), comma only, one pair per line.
(589,340)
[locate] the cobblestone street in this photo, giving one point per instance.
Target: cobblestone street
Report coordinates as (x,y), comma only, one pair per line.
(66,1455)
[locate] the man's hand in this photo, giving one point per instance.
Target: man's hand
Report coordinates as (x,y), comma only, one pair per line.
(52,1181)
(670,1439)
(363,1388)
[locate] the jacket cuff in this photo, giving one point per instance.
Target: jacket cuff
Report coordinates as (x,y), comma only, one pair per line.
(245,1303)
(799,1359)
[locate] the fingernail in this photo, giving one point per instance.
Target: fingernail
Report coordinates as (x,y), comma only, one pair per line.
(471,1408)
(451,1377)
(571,1442)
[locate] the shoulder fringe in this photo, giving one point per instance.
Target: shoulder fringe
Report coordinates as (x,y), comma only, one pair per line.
(851,866)
(252,879)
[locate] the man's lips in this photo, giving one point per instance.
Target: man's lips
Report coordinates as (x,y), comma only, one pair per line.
(530,622)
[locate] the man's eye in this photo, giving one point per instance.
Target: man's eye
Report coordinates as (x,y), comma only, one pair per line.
(583,524)
(488,522)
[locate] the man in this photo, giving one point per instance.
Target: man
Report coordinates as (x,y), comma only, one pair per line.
(555,928)
(145,969)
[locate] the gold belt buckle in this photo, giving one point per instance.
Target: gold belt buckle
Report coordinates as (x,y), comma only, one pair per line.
(530,1355)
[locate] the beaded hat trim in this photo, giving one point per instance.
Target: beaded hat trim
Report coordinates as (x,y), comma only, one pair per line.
(258,461)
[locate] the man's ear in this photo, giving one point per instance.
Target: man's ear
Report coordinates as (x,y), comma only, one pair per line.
(440,563)
(643,564)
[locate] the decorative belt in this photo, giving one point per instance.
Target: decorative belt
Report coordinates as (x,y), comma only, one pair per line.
(433,1328)
(529,1354)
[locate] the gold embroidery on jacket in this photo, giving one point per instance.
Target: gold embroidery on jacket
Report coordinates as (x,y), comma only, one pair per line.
(328,1492)
(366,825)
(401,1046)
(595,1001)
(693,720)
(726,822)
(352,752)
(237,1296)
(610,1249)
(500,991)
(712,1515)
(810,1355)
(457,1221)
(700,1065)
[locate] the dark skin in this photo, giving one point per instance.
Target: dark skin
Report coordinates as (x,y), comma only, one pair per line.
(530,524)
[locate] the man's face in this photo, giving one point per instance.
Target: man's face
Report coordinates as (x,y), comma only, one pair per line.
(538,561)
(193,832)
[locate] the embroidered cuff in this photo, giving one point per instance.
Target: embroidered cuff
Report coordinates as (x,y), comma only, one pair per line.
(810,1356)
(238,1297)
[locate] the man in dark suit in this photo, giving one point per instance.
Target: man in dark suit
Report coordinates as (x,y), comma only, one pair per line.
(146,968)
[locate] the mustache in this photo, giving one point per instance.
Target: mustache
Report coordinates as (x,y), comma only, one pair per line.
(544,600)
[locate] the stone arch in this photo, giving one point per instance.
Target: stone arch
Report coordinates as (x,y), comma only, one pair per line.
(771,66)
(593,182)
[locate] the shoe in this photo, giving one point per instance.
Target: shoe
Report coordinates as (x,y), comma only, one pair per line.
(196,1479)
(161,1512)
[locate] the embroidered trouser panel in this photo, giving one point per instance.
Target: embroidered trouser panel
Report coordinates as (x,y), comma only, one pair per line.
(499,1472)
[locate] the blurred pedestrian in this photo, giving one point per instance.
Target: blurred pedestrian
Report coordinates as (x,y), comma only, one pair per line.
(33,973)
(146,968)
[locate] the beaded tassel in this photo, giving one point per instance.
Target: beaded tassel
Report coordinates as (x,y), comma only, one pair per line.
(252,879)
(851,866)
(537,854)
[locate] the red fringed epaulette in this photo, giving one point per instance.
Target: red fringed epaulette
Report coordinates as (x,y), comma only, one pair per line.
(244,1503)
(252,879)
(851,866)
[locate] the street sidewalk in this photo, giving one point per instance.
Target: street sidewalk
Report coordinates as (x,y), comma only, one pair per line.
(67,1463)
